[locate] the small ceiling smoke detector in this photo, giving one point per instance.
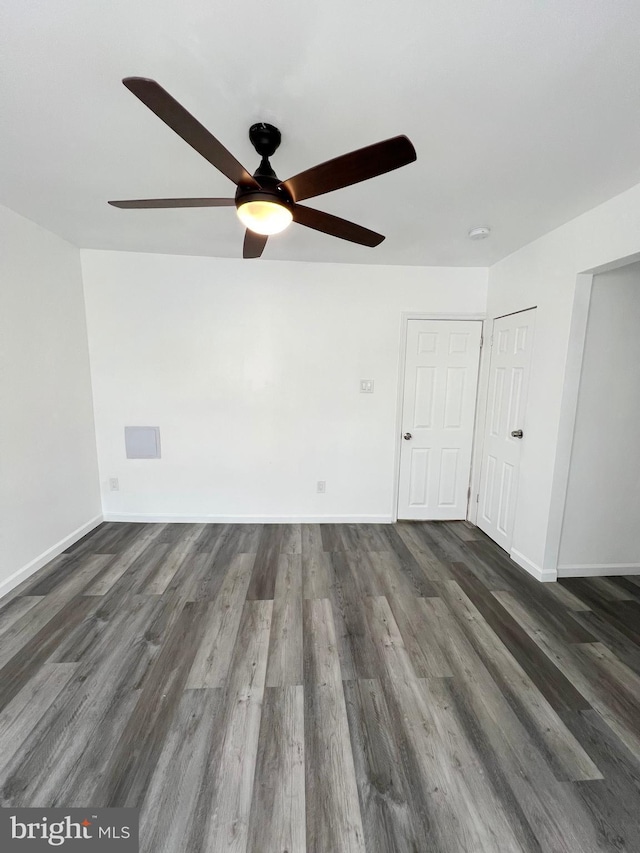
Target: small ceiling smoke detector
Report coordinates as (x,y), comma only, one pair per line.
(479,233)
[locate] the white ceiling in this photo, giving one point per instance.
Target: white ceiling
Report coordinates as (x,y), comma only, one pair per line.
(524,113)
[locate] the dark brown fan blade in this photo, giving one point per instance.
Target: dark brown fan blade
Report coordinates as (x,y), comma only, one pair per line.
(352,168)
(253,244)
(185,125)
(174,202)
(335,226)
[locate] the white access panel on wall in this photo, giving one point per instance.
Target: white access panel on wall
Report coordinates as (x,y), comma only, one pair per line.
(505,429)
(438,412)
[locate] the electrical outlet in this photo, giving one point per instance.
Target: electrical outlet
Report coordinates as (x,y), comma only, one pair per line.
(114,485)
(321,487)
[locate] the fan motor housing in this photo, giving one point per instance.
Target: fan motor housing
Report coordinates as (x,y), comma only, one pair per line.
(265,138)
(270,190)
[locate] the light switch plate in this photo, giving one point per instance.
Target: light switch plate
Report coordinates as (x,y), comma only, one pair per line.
(366,386)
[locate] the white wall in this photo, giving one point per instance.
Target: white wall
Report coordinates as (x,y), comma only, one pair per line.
(600,530)
(544,274)
(251,371)
(48,471)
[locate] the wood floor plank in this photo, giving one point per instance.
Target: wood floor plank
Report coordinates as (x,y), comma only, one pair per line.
(316,563)
(316,574)
(149,574)
(498,748)
(249,537)
(427,728)
(321,660)
(393,657)
(249,661)
(614,799)
(623,615)
(612,638)
(136,754)
(285,650)
(105,634)
(444,545)
(384,788)
(205,583)
(385,575)
(360,537)
(628,585)
(566,598)
(17,635)
(490,556)
(16,610)
(609,590)
(464,530)
(164,569)
(531,801)
(357,658)
(362,571)
(553,617)
(61,568)
(484,566)
(410,567)
(121,563)
(213,656)
(101,631)
(557,689)
(563,753)
(311,538)
(22,714)
(418,630)
(16,673)
(291,542)
(615,690)
(433,568)
(263,581)
(230,809)
(277,820)
(169,810)
(611,688)
(466,776)
(103,539)
(333,810)
(208,542)
(331,539)
(99,697)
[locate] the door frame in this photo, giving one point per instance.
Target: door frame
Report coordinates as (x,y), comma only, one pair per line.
(402,360)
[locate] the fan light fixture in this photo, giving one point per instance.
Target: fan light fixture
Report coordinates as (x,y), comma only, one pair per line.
(265,217)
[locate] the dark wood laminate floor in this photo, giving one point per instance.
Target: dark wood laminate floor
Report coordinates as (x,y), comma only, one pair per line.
(333,689)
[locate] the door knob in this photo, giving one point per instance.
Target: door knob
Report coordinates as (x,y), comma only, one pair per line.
(407,436)
(517,433)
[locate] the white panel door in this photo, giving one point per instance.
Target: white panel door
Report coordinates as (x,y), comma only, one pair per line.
(438,410)
(511,345)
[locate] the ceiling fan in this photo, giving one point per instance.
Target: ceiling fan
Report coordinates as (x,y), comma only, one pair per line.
(265,204)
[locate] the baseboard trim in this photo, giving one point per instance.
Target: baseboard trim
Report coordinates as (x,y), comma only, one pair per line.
(594,570)
(548,576)
(248,519)
(26,571)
